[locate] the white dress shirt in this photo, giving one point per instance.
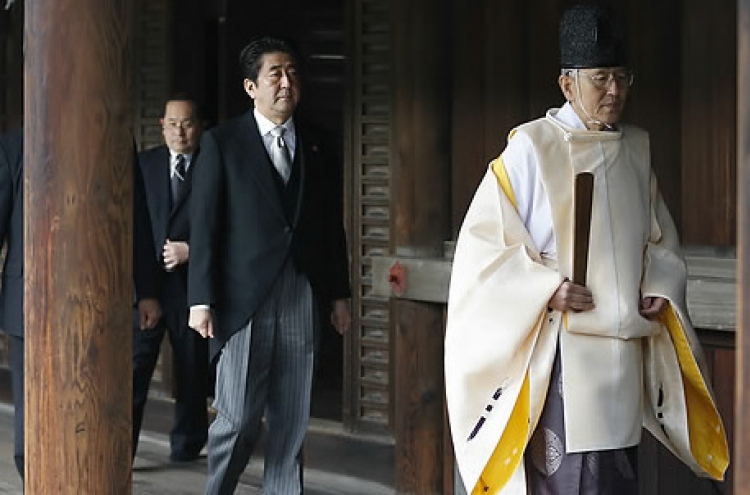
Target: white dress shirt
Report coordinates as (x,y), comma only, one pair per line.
(265,126)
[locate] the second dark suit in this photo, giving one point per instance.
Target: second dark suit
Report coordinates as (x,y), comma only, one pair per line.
(170,219)
(11,232)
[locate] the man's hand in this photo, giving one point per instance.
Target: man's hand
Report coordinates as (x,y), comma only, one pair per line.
(341,317)
(571,297)
(149,313)
(650,307)
(201,321)
(175,253)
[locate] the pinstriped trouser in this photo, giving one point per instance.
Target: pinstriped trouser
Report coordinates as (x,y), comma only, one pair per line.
(265,367)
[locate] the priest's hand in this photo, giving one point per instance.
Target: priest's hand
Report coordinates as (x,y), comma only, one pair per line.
(650,307)
(571,297)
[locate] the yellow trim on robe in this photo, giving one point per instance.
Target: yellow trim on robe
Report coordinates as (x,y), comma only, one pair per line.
(507,455)
(707,437)
(498,167)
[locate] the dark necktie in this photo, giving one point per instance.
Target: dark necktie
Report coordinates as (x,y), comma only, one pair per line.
(280,153)
(178,179)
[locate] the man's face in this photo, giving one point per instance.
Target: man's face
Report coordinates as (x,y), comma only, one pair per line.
(180,127)
(598,94)
(277,90)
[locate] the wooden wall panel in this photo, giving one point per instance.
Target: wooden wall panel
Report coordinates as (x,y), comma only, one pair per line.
(709,102)
(654,102)
(192,60)
(420,165)
(152,69)
(544,56)
(490,90)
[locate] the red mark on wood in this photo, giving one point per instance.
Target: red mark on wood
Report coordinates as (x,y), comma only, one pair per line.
(397,278)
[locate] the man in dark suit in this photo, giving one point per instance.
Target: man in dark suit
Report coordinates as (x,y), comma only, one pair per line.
(11,233)
(167,171)
(268,254)
(11,302)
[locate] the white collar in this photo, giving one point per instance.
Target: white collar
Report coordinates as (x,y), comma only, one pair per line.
(265,125)
(173,157)
(568,116)
(573,127)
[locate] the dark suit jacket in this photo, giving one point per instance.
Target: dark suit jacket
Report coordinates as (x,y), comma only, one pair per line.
(244,227)
(145,265)
(167,221)
(11,232)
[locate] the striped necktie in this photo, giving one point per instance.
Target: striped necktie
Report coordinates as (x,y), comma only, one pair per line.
(280,153)
(178,178)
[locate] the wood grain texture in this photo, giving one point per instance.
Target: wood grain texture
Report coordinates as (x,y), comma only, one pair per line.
(741,459)
(420,161)
(709,134)
(78,256)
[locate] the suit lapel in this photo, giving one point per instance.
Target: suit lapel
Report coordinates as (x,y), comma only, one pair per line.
(300,168)
(262,169)
(156,178)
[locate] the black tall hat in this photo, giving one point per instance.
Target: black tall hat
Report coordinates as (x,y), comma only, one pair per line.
(591,36)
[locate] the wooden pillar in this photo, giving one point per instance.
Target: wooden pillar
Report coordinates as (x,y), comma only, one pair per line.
(78,246)
(420,225)
(742,409)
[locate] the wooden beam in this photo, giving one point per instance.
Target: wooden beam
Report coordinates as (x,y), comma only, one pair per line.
(711,287)
(742,407)
(78,246)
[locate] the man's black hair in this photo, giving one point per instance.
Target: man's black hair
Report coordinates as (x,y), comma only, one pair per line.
(251,56)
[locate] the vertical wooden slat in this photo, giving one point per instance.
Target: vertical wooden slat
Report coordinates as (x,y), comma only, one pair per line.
(421,223)
(742,407)
(78,251)
(370,395)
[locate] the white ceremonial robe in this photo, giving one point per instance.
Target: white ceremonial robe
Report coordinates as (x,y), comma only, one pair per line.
(621,372)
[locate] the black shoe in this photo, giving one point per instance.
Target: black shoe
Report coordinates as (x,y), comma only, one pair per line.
(184,456)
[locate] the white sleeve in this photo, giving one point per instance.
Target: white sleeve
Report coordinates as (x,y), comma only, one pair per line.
(533,205)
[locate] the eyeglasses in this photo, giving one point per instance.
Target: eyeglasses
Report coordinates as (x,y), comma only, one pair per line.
(603,79)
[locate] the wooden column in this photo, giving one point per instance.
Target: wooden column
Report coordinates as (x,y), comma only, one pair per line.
(78,254)
(742,409)
(420,224)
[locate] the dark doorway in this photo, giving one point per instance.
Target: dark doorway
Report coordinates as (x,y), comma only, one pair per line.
(208,38)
